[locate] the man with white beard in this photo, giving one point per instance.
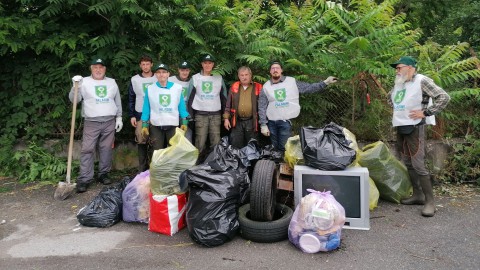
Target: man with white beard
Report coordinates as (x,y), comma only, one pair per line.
(416,99)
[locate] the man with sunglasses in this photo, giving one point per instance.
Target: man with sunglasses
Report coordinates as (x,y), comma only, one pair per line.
(415,99)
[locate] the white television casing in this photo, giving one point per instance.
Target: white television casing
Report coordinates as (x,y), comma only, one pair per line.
(350,188)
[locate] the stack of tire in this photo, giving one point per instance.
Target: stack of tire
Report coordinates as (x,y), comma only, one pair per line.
(262,220)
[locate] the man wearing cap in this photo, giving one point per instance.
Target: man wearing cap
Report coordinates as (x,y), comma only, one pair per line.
(240,115)
(415,99)
(136,94)
(102,112)
(163,106)
(208,94)
(183,78)
(279,103)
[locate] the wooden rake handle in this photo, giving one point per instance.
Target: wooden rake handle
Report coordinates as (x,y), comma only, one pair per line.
(72,131)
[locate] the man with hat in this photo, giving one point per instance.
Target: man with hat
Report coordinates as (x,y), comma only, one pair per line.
(136,94)
(415,99)
(163,107)
(278,103)
(102,113)
(206,102)
(183,78)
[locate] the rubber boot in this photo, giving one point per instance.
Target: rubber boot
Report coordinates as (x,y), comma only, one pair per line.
(429,208)
(417,197)
(142,158)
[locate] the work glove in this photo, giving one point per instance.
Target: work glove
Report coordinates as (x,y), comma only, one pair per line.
(144,131)
(330,80)
(118,124)
(264,130)
(77,78)
(184,125)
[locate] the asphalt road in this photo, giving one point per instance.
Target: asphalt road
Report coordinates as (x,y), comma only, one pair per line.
(37,232)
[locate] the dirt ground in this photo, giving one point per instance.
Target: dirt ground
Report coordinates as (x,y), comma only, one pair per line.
(37,232)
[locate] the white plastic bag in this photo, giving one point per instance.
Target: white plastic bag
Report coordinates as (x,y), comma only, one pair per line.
(317,223)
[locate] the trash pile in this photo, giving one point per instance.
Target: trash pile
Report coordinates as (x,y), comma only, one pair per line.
(233,191)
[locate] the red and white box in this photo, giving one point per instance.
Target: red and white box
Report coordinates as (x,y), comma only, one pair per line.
(167,213)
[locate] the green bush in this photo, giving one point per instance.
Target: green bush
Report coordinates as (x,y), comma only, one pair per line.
(35,163)
(463,165)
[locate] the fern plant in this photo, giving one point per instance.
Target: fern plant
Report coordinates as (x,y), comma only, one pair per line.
(36,164)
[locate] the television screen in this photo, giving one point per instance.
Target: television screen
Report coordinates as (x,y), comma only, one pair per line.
(350,188)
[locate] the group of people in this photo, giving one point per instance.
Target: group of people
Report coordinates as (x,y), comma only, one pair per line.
(159,102)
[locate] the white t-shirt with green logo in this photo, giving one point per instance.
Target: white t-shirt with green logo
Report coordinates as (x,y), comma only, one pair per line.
(405,98)
(283,99)
(164,105)
(99,97)
(207,95)
(140,85)
(184,85)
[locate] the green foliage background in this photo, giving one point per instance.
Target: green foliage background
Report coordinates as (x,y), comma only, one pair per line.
(45,43)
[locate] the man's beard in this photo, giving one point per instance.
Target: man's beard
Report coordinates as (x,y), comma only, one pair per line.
(400,79)
(276,77)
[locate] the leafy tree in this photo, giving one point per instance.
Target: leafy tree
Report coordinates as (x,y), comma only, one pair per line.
(44,43)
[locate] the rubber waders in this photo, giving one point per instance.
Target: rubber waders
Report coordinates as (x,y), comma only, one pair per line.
(429,207)
(417,197)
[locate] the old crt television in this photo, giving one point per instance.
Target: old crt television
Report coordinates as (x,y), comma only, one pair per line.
(350,188)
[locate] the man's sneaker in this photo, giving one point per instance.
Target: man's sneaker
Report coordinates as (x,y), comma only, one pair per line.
(104,179)
(82,187)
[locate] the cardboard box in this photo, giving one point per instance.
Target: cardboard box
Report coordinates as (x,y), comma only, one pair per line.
(285,169)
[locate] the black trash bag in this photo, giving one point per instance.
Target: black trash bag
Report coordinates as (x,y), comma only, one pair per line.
(252,151)
(326,148)
(216,190)
(269,152)
(106,208)
(225,157)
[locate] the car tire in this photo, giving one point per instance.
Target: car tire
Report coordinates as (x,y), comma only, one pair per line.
(265,231)
(262,191)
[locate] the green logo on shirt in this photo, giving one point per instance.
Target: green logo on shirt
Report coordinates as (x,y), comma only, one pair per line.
(280,94)
(101,91)
(145,86)
(399,96)
(165,100)
(207,87)
(184,91)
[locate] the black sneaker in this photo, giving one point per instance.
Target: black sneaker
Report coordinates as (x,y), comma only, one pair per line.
(82,187)
(104,179)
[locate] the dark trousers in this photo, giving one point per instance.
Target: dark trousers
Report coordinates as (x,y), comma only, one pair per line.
(159,136)
(242,133)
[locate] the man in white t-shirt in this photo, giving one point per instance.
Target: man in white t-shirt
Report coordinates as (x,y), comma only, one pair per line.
(279,102)
(163,108)
(102,113)
(136,93)
(416,99)
(206,103)
(183,78)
